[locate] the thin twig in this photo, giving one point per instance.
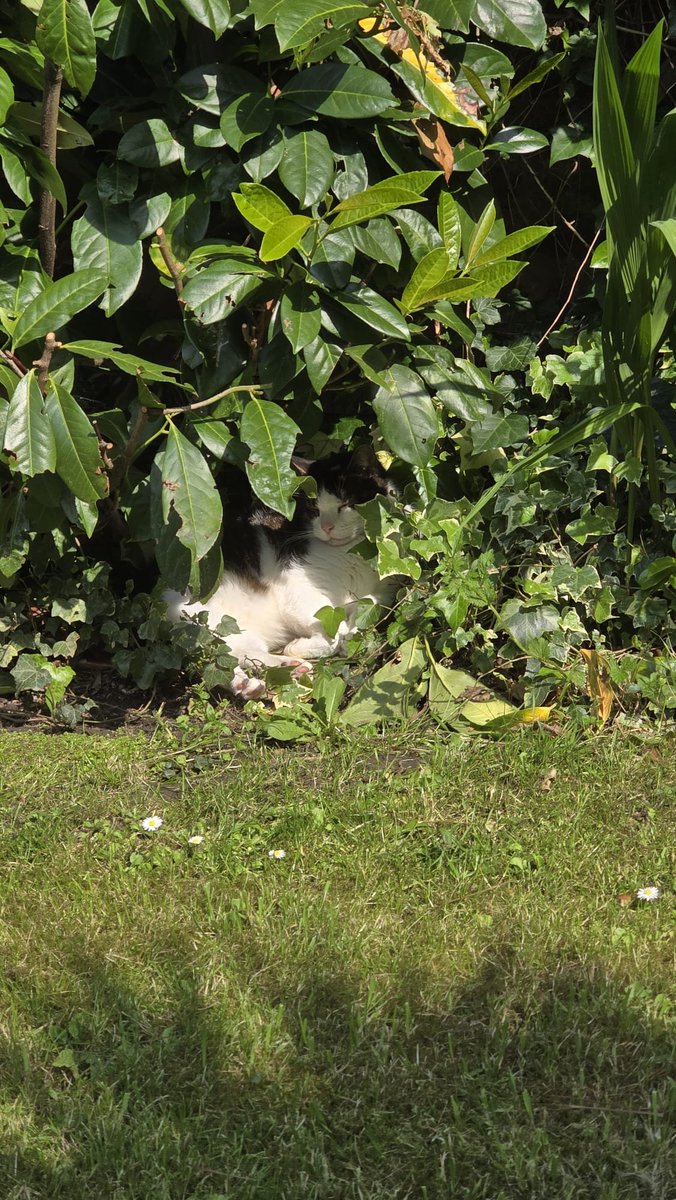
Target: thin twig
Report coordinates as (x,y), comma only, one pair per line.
(13,363)
(252,389)
(555,208)
(43,362)
(123,461)
(569,297)
(173,266)
(51,95)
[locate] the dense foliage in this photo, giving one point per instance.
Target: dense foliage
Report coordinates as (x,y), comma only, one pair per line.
(233,230)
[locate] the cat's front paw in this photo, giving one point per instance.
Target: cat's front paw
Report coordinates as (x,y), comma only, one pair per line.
(247,687)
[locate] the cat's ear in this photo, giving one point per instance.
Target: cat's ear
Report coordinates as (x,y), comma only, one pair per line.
(364,460)
(302,465)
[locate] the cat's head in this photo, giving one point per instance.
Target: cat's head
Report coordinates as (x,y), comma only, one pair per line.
(343,481)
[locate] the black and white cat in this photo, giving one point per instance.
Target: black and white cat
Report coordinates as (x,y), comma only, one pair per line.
(278,573)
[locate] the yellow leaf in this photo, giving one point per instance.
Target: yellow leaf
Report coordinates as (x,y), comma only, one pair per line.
(528,715)
(597,684)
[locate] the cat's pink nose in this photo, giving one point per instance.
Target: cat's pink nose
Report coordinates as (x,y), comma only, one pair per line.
(327,527)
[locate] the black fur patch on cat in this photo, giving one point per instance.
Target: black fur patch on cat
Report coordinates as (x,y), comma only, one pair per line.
(353,478)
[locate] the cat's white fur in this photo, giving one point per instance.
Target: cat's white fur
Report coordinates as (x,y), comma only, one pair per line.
(277,622)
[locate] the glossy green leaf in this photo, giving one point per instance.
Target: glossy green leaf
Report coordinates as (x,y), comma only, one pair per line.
(6,94)
(271,437)
(514,243)
(214,86)
(149,144)
(188,488)
(216,291)
(535,76)
(58,303)
(214,14)
(517,22)
(481,232)
(375,311)
(78,460)
(321,357)
(129,363)
(103,238)
(430,271)
(65,34)
(282,237)
(516,140)
(406,416)
(448,219)
(248,116)
(29,438)
(338,90)
(44,172)
(306,166)
(300,315)
(490,279)
(378,240)
(259,206)
(300,22)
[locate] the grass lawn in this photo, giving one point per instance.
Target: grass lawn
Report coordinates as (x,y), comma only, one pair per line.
(436,992)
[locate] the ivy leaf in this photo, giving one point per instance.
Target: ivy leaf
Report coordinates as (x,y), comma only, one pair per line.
(29,437)
(189,490)
(498,430)
(271,437)
(58,303)
(214,14)
(525,625)
(300,315)
(65,34)
(78,460)
(346,92)
(517,22)
(406,416)
(307,166)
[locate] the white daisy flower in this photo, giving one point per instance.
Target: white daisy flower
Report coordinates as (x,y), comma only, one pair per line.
(195,840)
(276,853)
(648,893)
(151,823)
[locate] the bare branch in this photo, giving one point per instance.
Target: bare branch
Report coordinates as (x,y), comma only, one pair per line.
(173,266)
(45,359)
(14,363)
(124,460)
(571,293)
(51,95)
(252,389)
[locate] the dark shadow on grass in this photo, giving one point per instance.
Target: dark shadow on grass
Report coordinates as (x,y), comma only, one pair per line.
(514,1086)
